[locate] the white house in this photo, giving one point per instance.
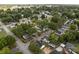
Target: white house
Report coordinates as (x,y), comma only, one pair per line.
(25,20)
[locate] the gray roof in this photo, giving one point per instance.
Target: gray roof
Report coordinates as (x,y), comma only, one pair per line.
(69,46)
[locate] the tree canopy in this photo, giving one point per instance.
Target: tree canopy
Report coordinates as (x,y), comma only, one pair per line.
(53,38)
(34,48)
(6,41)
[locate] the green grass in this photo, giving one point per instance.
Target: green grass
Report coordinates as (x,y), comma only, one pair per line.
(2,34)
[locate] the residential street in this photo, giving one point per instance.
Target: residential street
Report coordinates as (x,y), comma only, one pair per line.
(22,46)
(64,27)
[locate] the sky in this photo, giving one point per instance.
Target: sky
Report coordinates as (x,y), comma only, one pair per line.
(39,1)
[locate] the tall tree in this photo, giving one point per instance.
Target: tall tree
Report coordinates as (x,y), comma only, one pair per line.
(34,48)
(53,38)
(72,27)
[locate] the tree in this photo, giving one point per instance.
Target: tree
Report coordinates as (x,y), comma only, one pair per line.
(77,22)
(35,12)
(52,26)
(55,19)
(18,31)
(63,38)
(10,16)
(35,17)
(53,38)
(6,41)
(43,24)
(16,16)
(42,16)
(68,37)
(77,35)
(10,40)
(3,14)
(8,11)
(22,29)
(69,14)
(3,43)
(27,12)
(77,14)
(26,26)
(71,37)
(1,10)
(72,27)
(33,47)
(7,19)
(30,31)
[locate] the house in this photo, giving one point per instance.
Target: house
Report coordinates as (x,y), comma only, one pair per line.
(39,43)
(12,25)
(44,39)
(63,49)
(45,46)
(42,46)
(60,50)
(46,49)
(62,45)
(37,28)
(47,12)
(69,46)
(25,20)
(71,51)
(27,37)
(52,45)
